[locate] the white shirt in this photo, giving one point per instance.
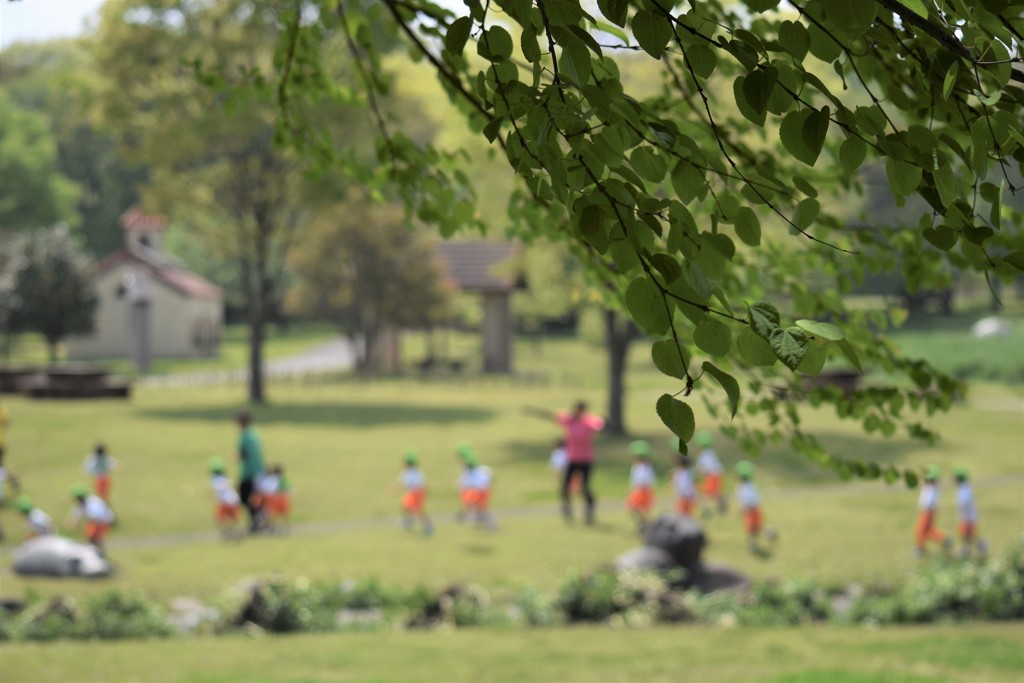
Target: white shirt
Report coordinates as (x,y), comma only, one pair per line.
(747,495)
(708,462)
(480,478)
(3,480)
(641,475)
(682,480)
(413,479)
(465,478)
(224,491)
(39,522)
(96,465)
(559,459)
(268,483)
(965,503)
(95,509)
(929,498)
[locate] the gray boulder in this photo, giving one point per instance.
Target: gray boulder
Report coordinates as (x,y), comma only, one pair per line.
(647,558)
(680,536)
(57,556)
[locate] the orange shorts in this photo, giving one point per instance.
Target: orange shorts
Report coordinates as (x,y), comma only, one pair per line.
(926,529)
(279,504)
(476,499)
(95,532)
(967,530)
(641,500)
(686,506)
(752,520)
(412,501)
(103,486)
(712,485)
(227,512)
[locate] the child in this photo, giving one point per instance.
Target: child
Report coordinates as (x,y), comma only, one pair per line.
(7,478)
(710,468)
(466,495)
(414,496)
(750,502)
(100,464)
(39,523)
(479,493)
(559,462)
(278,501)
(640,500)
(928,504)
(229,504)
(684,485)
(97,515)
(968,514)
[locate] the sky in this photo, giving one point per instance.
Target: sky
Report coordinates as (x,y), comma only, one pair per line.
(37,20)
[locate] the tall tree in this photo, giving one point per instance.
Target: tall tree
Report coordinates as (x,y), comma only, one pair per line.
(52,288)
(362,268)
(213,156)
(717,207)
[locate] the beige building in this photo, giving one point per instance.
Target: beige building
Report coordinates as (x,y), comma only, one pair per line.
(150,306)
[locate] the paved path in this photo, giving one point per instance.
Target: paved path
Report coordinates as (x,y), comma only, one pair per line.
(332,356)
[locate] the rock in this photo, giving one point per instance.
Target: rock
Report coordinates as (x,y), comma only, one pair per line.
(56,556)
(648,557)
(682,537)
(712,577)
(990,327)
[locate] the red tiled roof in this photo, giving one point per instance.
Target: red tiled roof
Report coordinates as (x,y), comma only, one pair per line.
(480,266)
(177,278)
(135,220)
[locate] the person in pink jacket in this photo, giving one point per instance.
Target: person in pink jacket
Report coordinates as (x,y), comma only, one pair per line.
(580,428)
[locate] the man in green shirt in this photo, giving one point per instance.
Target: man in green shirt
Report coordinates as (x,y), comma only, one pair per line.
(250,458)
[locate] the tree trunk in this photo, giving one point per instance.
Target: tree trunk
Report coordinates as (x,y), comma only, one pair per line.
(260,304)
(51,347)
(619,333)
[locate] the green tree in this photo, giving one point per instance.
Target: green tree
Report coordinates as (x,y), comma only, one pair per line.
(360,267)
(33,193)
(52,289)
(716,209)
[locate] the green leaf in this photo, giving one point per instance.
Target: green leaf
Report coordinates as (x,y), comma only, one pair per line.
(755,117)
(669,358)
(904,178)
(748,227)
(702,59)
(852,154)
(668,267)
(910,478)
(713,336)
(574,62)
(1015,259)
(677,416)
(761,5)
(794,39)
(755,350)
(917,7)
(649,164)
(815,129)
(758,87)
(853,17)
(798,131)
(593,228)
(614,10)
(727,382)
(789,345)
(764,319)
(495,45)
(688,182)
(942,237)
(950,80)
(458,34)
(826,331)
(814,359)
(806,213)
(564,12)
(652,32)
(851,354)
(647,306)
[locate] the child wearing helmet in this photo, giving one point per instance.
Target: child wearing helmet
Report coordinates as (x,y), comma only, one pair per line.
(683,482)
(100,464)
(710,468)
(928,506)
(95,512)
(750,503)
(39,523)
(967,512)
(479,479)
(466,494)
(414,496)
(642,478)
(229,505)
(278,498)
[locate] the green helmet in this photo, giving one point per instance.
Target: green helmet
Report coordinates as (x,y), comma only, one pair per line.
(960,473)
(411,457)
(216,465)
(640,449)
(23,504)
(464,450)
(745,469)
(471,459)
(79,491)
(932,473)
(704,439)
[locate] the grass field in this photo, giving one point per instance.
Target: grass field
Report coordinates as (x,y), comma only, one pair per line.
(342,441)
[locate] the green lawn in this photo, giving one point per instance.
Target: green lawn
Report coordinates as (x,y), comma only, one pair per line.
(977,653)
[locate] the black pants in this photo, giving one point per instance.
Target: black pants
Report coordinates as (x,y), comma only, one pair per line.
(583,469)
(245,492)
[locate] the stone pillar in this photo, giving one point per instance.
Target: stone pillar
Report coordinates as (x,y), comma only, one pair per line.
(497,333)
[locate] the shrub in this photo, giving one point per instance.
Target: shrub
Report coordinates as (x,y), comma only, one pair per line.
(116,614)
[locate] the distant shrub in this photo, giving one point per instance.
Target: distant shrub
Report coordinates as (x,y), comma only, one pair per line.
(119,614)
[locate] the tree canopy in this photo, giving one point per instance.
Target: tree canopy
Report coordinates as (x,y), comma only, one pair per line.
(719,208)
